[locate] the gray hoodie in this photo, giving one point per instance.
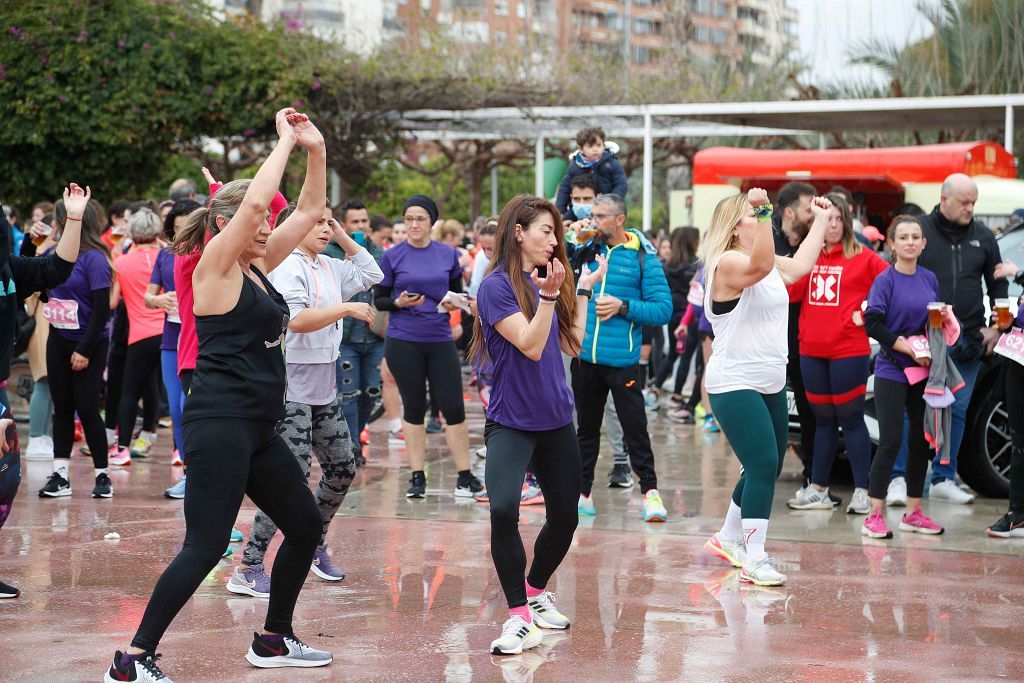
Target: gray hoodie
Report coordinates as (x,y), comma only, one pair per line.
(317,283)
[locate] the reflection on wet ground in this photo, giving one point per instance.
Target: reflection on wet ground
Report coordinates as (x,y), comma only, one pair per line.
(421,601)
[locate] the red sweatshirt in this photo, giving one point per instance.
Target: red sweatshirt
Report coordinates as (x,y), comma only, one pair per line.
(829,295)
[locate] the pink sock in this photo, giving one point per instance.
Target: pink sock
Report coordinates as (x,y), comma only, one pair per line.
(532,592)
(522,611)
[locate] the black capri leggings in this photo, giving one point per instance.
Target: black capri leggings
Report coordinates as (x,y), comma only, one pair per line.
(76,391)
(260,464)
(892,400)
(141,362)
(556,462)
(412,364)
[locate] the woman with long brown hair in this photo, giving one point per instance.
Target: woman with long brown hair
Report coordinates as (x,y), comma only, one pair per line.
(530,312)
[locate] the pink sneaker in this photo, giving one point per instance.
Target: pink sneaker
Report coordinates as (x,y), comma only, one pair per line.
(920,522)
(875,527)
(122,456)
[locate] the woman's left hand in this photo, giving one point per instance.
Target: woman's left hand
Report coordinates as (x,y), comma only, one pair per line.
(307,136)
(337,232)
(75,200)
(588,278)
(79,362)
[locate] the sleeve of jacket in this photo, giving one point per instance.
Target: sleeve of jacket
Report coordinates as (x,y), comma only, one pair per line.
(289,279)
(620,184)
(655,306)
(36,273)
(356,274)
(997,289)
(562,202)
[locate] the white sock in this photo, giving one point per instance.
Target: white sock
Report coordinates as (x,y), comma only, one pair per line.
(395,425)
(97,471)
(60,466)
(755,531)
(732,529)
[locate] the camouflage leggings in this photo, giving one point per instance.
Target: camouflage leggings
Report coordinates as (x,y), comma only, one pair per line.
(307,429)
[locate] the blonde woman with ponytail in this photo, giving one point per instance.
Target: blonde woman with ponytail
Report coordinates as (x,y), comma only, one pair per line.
(234,404)
(747,305)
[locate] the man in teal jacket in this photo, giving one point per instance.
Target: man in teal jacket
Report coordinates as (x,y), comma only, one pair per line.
(634,293)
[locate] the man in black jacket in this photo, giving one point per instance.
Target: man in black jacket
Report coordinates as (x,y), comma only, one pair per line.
(962,253)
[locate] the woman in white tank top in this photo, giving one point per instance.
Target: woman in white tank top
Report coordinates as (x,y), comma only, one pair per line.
(748,307)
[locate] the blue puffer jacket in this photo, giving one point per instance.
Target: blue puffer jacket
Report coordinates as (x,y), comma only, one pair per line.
(616,341)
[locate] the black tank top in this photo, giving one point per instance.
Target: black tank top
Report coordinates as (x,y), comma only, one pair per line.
(240,368)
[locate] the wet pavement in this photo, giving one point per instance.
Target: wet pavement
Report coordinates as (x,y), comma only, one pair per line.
(421,601)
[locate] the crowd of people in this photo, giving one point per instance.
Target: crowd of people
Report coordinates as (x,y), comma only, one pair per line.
(282,328)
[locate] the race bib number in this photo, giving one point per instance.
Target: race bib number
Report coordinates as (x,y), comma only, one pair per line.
(920,345)
(173,318)
(62,313)
(696,294)
(1011,345)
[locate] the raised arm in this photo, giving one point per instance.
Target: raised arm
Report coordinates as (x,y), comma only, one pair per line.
(75,201)
(737,271)
(800,264)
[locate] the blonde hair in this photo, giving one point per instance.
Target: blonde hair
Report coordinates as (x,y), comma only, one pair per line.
(144,226)
(191,237)
(721,236)
(448,228)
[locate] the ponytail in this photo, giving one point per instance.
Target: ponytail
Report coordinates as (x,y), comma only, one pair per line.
(191,237)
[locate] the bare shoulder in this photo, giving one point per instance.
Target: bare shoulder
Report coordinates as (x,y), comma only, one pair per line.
(213,293)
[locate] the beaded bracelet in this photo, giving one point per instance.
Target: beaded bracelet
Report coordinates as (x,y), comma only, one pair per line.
(763,213)
(549,298)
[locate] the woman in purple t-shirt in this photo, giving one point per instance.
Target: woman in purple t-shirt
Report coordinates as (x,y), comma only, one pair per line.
(525,323)
(897,308)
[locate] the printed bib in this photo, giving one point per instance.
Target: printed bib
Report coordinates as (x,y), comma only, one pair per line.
(919,343)
(1011,345)
(62,313)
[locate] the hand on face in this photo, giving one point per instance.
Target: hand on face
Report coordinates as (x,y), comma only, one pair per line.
(550,285)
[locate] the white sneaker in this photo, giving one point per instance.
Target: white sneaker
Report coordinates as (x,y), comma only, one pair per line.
(947,491)
(810,498)
(897,494)
(516,636)
(860,504)
(481,452)
(542,609)
(39,448)
(761,573)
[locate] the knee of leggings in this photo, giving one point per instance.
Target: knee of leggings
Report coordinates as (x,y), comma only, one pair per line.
(563,517)
(454,415)
(505,516)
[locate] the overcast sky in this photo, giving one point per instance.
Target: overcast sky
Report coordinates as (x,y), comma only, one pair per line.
(828,28)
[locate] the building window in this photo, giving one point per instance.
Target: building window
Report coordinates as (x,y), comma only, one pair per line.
(719,37)
(501,7)
(500,37)
(721,9)
(700,34)
(701,7)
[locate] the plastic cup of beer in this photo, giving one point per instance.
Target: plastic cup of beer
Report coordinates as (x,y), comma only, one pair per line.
(45,230)
(935,313)
(1003,316)
(118,234)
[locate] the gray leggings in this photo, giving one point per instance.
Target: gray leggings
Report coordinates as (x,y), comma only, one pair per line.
(306,429)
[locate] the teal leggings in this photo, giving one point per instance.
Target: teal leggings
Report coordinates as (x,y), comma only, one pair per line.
(756,426)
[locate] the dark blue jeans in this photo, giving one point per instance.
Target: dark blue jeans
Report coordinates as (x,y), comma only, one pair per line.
(358,376)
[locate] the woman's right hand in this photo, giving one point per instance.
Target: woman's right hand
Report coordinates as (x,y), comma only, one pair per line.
(282,120)
(169,302)
(552,283)
(406,300)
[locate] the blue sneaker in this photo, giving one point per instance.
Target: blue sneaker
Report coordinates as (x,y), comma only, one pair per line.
(236,535)
(586,506)
(711,425)
(323,567)
(176,492)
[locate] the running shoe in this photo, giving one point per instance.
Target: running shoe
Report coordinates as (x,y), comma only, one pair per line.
(544,614)
(699,411)
(250,581)
(79,432)
(682,416)
(273,652)
(176,492)
(676,400)
(228,552)
(7,591)
(481,452)
(176,460)
(121,457)
(531,495)
(323,567)
(810,498)
(947,491)
(1010,525)
(711,425)
(730,551)
(482,497)
(860,504)
(620,477)
(140,668)
(142,446)
(103,489)
(875,527)
(653,508)
(360,458)
(585,506)
(896,496)
(417,486)
(165,422)
(434,426)
(762,573)
(39,448)
(364,436)
(396,438)
(651,402)
(468,486)
(516,635)
(236,536)
(111,449)
(55,487)
(921,523)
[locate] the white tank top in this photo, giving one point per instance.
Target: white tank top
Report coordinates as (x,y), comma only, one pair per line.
(751,346)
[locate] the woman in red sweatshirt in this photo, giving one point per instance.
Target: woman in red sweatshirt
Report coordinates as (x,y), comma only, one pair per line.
(834,355)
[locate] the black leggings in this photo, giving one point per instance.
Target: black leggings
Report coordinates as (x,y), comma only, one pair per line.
(556,461)
(412,364)
(258,463)
(115,380)
(76,391)
(1015,409)
(141,362)
(892,400)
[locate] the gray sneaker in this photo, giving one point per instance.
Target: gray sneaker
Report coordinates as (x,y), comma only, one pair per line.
(323,567)
(860,504)
(250,581)
(269,652)
(810,498)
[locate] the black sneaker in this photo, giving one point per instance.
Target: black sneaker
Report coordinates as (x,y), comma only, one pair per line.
(8,591)
(269,652)
(468,486)
(620,477)
(1010,525)
(103,489)
(434,426)
(417,486)
(836,500)
(141,668)
(56,486)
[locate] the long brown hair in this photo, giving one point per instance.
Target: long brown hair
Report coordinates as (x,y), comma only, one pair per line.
(685,242)
(508,257)
(851,247)
(191,237)
(92,226)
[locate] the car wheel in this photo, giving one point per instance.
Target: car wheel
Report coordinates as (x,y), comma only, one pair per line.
(987,470)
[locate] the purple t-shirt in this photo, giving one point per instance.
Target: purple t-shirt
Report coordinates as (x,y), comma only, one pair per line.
(163,275)
(91,272)
(703,324)
(428,271)
(528,395)
(903,300)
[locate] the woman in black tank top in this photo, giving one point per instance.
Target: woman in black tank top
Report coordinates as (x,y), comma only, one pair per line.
(236,400)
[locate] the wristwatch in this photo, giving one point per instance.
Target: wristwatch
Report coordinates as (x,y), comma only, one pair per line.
(624,308)
(589,293)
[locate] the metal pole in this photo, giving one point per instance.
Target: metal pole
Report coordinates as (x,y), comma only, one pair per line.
(822,143)
(335,188)
(538,171)
(494,191)
(1008,129)
(627,48)
(648,172)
